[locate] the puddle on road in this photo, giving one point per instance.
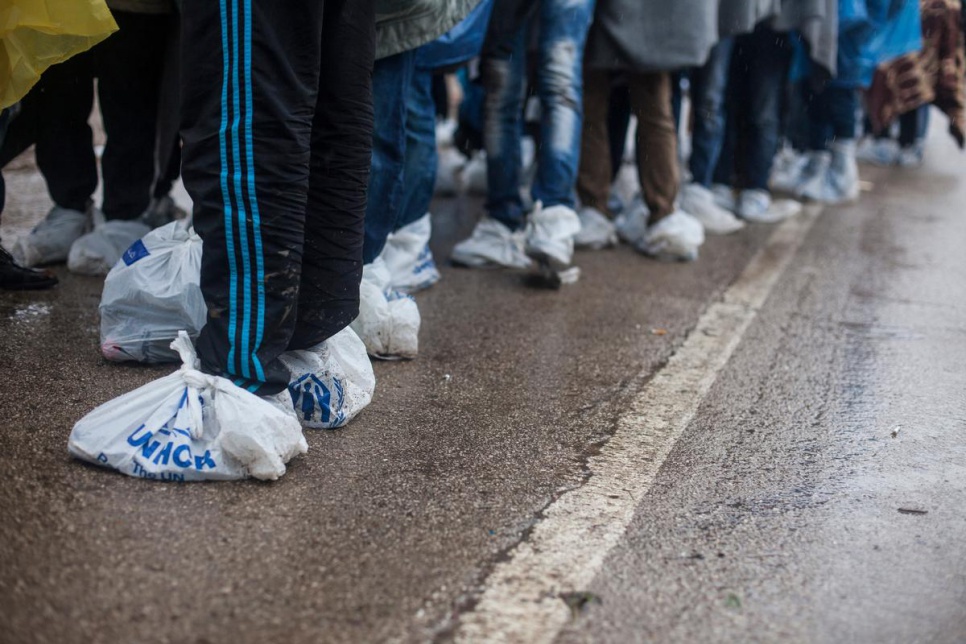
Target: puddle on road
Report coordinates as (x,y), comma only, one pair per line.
(32,311)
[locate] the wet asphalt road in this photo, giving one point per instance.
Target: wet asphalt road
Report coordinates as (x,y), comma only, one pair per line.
(775,517)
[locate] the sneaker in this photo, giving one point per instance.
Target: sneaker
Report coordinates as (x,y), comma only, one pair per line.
(910,156)
(758,207)
(631,224)
(596,230)
(409,259)
(724,196)
(161,212)
(880,152)
(14,277)
(388,322)
(492,243)
(50,240)
(698,201)
(676,237)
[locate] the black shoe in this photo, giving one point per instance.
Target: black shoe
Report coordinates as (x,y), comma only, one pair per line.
(14,277)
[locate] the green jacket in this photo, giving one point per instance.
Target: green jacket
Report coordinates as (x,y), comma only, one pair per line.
(402,25)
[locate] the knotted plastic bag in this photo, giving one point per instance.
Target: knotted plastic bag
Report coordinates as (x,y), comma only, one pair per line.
(189,426)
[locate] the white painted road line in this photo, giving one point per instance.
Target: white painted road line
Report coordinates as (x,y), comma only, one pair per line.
(521,597)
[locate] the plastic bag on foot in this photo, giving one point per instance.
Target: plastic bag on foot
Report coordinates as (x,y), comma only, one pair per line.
(388,321)
(189,426)
(99,250)
(151,294)
(332,382)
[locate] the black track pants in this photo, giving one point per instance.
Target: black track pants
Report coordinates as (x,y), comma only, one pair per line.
(277,130)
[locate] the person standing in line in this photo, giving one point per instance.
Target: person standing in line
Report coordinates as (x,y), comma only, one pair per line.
(507,236)
(277,140)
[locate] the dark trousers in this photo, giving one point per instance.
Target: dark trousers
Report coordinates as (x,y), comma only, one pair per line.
(832,115)
(54,116)
(759,69)
(277,131)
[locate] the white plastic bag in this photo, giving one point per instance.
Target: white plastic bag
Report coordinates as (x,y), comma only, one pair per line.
(99,250)
(151,294)
(331,383)
(50,240)
(409,259)
(388,321)
(189,426)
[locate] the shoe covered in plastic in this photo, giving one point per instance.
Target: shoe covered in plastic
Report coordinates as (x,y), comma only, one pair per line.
(14,277)
(409,259)
(50,240)
(880,152)
(596,230)
(723,196)
(786,175)
(550,234)
(910,156)
(840,183)
(758,207)
(388,321)
(676,237)
(631,224)
(491,244)
(698,201)
(161,211)
(814,174)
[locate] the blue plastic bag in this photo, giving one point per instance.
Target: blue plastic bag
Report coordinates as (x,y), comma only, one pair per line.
(872,32)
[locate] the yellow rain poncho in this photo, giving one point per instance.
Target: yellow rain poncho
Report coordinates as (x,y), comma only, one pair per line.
(35,34)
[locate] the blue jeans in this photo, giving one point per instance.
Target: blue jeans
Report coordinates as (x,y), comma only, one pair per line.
(419,173)
(563,26)
(758,73)
(708,87)
(391,81)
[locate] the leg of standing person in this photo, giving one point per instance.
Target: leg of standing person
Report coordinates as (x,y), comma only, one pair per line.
(669,233)
(768,56)
(504,81)
(421,156)
(595,175)
(595,172)
(13,276)
(657,147)
(709,85)
(162,208)
(339,174)
(503,70)
(912,134)
(563,34)
(246,166)
(128,67)
(391,82)
(407,253)
(54,116)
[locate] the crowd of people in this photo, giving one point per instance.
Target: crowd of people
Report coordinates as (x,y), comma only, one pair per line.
(312,137)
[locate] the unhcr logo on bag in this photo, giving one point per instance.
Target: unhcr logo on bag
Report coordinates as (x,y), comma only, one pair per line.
(313,399)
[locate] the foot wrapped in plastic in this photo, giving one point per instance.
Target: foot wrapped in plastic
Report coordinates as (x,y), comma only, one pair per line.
(190,426)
